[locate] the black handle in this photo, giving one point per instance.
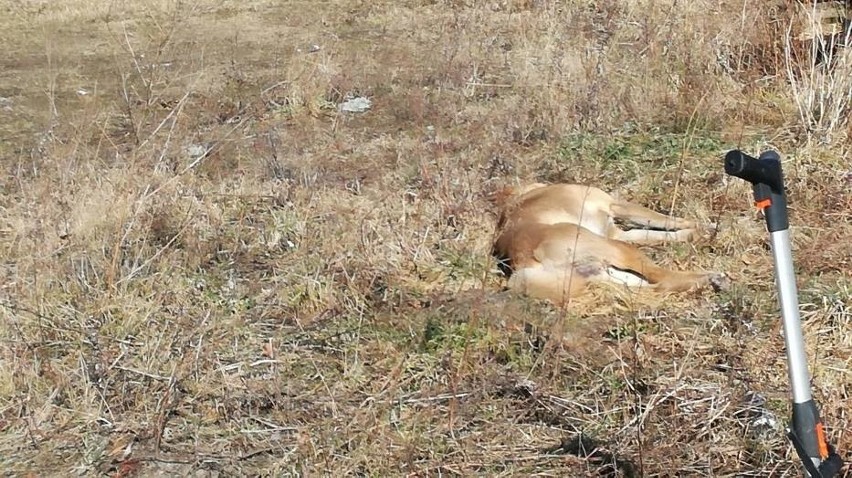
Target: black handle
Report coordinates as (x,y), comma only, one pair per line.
(767,180)
(766,170)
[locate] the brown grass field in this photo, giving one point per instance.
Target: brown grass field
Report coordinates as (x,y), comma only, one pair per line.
(208,269)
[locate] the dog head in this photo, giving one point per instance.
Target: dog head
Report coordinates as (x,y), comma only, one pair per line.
(506,200)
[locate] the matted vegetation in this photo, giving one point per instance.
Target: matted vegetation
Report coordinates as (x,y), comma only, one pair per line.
(208,269)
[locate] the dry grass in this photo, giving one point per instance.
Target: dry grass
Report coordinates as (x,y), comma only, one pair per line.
(207,269)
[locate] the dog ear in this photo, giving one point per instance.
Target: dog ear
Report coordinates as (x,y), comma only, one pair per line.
(499,196)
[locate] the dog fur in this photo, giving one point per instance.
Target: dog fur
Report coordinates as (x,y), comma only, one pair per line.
(554,240)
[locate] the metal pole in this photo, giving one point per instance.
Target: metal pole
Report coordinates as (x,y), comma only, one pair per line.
(788,299)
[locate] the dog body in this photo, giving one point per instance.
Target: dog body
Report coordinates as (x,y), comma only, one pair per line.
(557,239)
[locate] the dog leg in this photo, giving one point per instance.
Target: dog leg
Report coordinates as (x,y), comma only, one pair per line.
(641,216)
(625,257)
(648,236)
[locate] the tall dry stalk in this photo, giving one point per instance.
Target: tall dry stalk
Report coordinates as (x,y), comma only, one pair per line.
(821,84)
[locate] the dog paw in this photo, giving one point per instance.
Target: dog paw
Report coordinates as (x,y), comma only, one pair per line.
(719,281)
(707,231)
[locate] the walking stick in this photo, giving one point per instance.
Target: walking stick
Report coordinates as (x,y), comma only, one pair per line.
(806,430)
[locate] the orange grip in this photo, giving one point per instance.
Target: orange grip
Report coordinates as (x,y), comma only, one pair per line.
(763,204)
(823,446)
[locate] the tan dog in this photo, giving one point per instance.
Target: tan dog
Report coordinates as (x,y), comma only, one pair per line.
(554,240)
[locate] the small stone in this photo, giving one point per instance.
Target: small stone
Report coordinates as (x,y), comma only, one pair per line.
(196,150)
(355,105)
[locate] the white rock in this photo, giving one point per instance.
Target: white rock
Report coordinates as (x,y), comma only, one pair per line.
(356,105)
